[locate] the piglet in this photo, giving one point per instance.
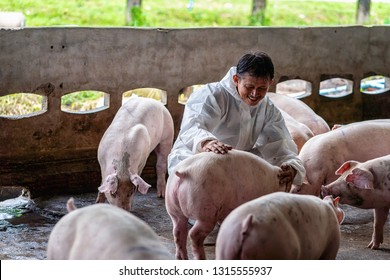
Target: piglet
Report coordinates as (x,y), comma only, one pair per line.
(206,187)
(140,126)
(281,226)
(103,232)
(365,185)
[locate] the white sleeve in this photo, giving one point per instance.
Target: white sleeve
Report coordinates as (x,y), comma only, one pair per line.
(201,115)
(276,145)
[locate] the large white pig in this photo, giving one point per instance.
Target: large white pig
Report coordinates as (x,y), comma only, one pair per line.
(365,185)
(206,187)
(323,154)
(300,111)
(140,126)
(103,232)
(281,226)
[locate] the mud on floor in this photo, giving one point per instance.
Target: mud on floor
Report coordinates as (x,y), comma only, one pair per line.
(25,237)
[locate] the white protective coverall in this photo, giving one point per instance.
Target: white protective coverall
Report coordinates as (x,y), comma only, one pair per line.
(217,112)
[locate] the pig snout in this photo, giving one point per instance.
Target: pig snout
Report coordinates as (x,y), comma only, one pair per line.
(328,190)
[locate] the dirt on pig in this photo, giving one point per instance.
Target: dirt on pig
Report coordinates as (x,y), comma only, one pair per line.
(25,237)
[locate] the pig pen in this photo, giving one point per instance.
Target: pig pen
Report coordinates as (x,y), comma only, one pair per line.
(25,237)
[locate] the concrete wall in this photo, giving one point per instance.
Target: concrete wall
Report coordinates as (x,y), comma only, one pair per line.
(56,151)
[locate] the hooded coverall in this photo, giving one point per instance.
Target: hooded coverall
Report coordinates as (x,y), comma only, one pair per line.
(217,112)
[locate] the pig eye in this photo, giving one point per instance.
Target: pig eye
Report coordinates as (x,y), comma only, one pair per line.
(350,185)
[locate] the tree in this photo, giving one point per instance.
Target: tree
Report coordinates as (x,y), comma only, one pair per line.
(131,5)
(363,11)
(258,12)
(258,6)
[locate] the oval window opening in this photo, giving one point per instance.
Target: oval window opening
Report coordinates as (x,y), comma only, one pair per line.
(86,101)
(154,93)
(186,92)
(375,84)
(22,105)
(296,88)
(336,87)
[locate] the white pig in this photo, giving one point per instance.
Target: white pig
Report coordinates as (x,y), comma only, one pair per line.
(300,111)
(299,132)
(323,154)
(140,126)
(206,187)
(365,185)
(281,226)
(103,232)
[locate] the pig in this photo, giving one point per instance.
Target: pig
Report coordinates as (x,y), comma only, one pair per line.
(103,232)
(299,132)
(281,226)
(323,154)
(365,185)
(206,187)
(300,111)
(140,126)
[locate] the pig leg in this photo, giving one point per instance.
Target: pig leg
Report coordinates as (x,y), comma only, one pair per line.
(180,233)
(162,150)
(198,234)
(380,217)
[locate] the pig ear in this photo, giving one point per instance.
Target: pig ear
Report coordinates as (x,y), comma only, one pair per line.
(339,212)
(346,166)
(246,226)
(361,178)
(143,187)
(336,201)
(340,215)
(109,185)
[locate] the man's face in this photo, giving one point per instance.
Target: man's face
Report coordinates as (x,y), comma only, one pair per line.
(252,89)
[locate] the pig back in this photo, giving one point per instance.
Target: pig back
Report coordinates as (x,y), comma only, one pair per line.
(279,226)
(226,180)
(150,113)
(300,111)
(104,232)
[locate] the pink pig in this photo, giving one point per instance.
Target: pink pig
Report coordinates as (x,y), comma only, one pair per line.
(323,154)
(140,126)
(207,187)
(299,132)
(365,185)
(103,232)
(281,226)
(300,111)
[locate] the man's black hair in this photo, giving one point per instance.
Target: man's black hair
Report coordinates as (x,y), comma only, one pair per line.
(257,64)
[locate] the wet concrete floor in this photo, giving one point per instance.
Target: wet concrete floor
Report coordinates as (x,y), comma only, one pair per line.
(25,237)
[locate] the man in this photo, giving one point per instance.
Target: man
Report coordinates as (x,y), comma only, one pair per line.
(236,113)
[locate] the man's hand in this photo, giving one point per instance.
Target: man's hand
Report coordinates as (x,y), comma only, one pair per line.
(287,175)
(215,146)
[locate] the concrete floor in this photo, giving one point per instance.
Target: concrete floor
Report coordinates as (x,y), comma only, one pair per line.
(26,237)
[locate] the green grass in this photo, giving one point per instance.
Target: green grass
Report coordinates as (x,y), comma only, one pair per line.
(168,13)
